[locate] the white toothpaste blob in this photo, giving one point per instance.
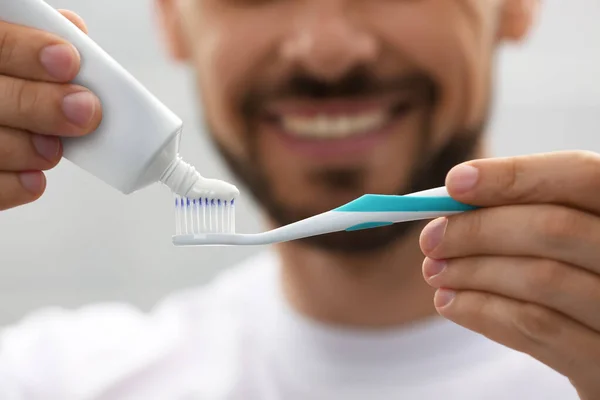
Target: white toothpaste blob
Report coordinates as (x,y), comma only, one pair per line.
(183,179)
(212,189)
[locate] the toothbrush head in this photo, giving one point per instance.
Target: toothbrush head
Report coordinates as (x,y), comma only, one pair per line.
(194,216)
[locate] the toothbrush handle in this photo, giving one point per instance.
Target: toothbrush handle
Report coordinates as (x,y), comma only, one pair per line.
(375,203)
(131,115)
(371,211)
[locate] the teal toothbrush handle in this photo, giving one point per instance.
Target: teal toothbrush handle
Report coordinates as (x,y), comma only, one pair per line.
(388,203)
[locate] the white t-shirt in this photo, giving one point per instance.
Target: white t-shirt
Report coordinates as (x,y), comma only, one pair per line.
(237,338)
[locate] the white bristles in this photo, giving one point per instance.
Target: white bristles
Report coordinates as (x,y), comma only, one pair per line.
(195,216)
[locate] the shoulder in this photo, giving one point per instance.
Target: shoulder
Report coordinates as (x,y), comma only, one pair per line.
(95,345)
(84,347)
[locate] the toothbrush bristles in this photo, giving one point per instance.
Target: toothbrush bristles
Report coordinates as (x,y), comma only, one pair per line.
(204,215)
(177,216)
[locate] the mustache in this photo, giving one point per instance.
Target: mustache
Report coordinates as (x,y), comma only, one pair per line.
(357,83)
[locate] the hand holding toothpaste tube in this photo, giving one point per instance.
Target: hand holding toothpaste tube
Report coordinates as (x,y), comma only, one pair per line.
(37,106)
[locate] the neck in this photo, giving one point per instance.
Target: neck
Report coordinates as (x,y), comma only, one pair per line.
(375,290)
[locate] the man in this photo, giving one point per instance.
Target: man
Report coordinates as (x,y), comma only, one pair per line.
(314,103)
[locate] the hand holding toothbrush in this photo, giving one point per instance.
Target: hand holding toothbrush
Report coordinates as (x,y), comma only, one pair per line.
(37,106)
(524,270)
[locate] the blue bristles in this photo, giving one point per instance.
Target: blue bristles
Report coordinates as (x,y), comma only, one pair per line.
(204,215)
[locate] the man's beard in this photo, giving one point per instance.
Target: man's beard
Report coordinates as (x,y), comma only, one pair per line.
(428,172)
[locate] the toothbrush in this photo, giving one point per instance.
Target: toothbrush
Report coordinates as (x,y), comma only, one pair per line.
(205,222)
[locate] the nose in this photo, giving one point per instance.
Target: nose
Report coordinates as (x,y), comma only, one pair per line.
(326,43)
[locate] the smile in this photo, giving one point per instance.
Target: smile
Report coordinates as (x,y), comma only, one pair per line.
(337,120)
(335,126)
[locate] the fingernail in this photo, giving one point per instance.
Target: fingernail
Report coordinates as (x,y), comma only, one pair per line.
(32,181)
(443,297)
(46,146)
(79,108)
(59,61)
(432,268)
(462,178)
(433,234)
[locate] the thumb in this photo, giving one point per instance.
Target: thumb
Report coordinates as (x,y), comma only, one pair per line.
(75,19)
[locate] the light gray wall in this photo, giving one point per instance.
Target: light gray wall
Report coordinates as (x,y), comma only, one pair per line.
(85,243)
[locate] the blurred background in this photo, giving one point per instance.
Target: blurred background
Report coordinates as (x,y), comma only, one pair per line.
(84,242)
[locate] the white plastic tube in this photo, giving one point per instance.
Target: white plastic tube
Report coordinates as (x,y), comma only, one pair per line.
(137,141)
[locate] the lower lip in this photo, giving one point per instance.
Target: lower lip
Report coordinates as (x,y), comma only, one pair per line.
(330,148)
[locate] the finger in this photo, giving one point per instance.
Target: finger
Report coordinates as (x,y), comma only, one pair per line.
(558,286)
(545,231)
(37,55)
(48,108)
(23,151)
(75,19)
(20,188)
(557,341)
(567,178)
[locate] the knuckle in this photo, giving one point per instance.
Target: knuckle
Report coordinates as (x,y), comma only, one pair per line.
(473,227)
(8,87)
(509,182)
(536,323)
(513,184)
(8,45)
(30,105)
(27,98)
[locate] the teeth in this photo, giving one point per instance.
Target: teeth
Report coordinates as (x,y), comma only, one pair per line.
(323,126)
